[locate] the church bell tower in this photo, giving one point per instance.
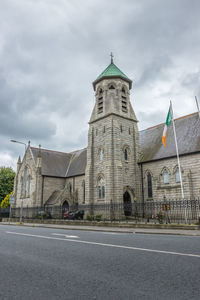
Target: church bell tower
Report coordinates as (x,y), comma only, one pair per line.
(112,173)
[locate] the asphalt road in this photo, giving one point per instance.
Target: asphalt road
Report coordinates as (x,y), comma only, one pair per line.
(42,263)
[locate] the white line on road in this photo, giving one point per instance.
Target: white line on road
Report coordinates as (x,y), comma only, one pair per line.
(114,233)
(105,245)
(66,235)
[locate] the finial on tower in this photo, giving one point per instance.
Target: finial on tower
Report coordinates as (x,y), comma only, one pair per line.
(39,151)
(111,55)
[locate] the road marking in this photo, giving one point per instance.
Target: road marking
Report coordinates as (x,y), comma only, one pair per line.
(104,245)
(114,233)
(66,235)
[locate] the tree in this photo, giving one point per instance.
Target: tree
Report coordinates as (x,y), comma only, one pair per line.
(6,201)
(7,176)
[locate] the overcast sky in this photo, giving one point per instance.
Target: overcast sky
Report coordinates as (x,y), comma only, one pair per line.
(52,50)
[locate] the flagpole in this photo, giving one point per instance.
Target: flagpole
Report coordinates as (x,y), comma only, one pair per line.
(197,106)
(179,165)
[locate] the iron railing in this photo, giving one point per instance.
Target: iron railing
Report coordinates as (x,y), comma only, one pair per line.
(168,211)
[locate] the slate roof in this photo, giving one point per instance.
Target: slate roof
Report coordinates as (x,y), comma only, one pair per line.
(188,139)
(78,163)
(54,163)
(60,164)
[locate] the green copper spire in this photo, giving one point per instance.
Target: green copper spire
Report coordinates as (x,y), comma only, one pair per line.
(112,71)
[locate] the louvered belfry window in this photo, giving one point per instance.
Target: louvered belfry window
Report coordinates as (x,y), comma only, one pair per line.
(124,101)
(100,101)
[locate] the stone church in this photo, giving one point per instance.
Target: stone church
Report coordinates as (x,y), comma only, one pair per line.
(120,163)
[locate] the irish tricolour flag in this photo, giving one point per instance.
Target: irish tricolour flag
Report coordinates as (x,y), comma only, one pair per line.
(168,122)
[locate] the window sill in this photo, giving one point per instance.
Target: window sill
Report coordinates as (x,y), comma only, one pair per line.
(168,186)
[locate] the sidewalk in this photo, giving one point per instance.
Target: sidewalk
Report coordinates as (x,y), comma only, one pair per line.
(133,229)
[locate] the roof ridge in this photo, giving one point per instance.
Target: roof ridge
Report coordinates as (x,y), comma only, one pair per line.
(182,117)
(43,149)
(72,152)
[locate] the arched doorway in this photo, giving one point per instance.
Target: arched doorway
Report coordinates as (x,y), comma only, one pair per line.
(127,204)
(65,206)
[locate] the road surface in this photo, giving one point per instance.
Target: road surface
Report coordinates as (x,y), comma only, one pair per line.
(45,263)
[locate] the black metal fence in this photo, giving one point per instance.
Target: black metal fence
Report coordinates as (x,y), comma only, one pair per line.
(4,212)
(170,211)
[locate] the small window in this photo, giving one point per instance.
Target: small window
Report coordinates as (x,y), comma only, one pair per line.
(178,179)
(149,185)
(103,191)
(121,129)
(101,154)
(111,87)
(129,131)
(70,189)
(165,177)
(100,192)
(104,129)
(126,154)
(101,188)
(123,90)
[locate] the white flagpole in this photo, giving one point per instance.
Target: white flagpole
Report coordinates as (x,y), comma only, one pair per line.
(179,165)
(197,105)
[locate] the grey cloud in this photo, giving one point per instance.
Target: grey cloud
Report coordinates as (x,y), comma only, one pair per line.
(51,51)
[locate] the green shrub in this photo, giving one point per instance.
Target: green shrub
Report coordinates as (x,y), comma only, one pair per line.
(90,217)
(98,217)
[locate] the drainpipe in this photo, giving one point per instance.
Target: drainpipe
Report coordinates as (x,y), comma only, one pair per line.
(42,190)
(142,191)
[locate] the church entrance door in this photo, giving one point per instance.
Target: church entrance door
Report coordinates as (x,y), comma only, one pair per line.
(127,204)
(65,206)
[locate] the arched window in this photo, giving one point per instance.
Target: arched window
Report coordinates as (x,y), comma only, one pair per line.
(26,183)
(166,176)
(26,180)
(83,187)
(178,179)
(123,90)
(70,188)
(100,154)
(101,188)
(149,185)
(29,185)
(126,154)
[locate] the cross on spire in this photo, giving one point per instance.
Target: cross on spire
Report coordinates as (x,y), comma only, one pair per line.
(111,55)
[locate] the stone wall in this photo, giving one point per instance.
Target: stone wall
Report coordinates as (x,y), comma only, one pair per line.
(28,199)
(112,131)
(190,166)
